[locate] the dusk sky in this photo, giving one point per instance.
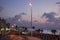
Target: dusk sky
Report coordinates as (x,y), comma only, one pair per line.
(15,7)
(44,11)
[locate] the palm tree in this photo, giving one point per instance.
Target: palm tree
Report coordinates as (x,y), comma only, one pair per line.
(33,27)
(54,31)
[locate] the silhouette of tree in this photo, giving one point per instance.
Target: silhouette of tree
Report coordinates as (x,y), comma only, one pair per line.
(25,28)
(54,31)
(33,27)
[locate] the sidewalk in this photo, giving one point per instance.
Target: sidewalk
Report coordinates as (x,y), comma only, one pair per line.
(15,37)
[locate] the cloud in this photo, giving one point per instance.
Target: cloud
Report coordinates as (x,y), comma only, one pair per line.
(15,18)
(51,18)
(53,22)
(50,15)
(26,23)
(20,15)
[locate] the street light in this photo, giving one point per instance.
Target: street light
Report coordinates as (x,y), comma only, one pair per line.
(30,4)
(13,26)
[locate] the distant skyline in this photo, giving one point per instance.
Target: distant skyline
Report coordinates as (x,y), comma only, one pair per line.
(14,7)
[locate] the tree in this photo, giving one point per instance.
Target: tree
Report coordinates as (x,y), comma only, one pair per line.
(25,29)
(33,27)
(54,31)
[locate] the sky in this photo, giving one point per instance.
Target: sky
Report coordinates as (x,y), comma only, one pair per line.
(15,7)
(45,12)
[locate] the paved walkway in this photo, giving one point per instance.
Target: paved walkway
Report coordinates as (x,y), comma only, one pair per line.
(16,37)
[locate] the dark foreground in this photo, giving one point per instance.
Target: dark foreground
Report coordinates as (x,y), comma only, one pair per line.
(35,36)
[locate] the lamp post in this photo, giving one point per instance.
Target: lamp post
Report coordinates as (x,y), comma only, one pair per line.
(30,4)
